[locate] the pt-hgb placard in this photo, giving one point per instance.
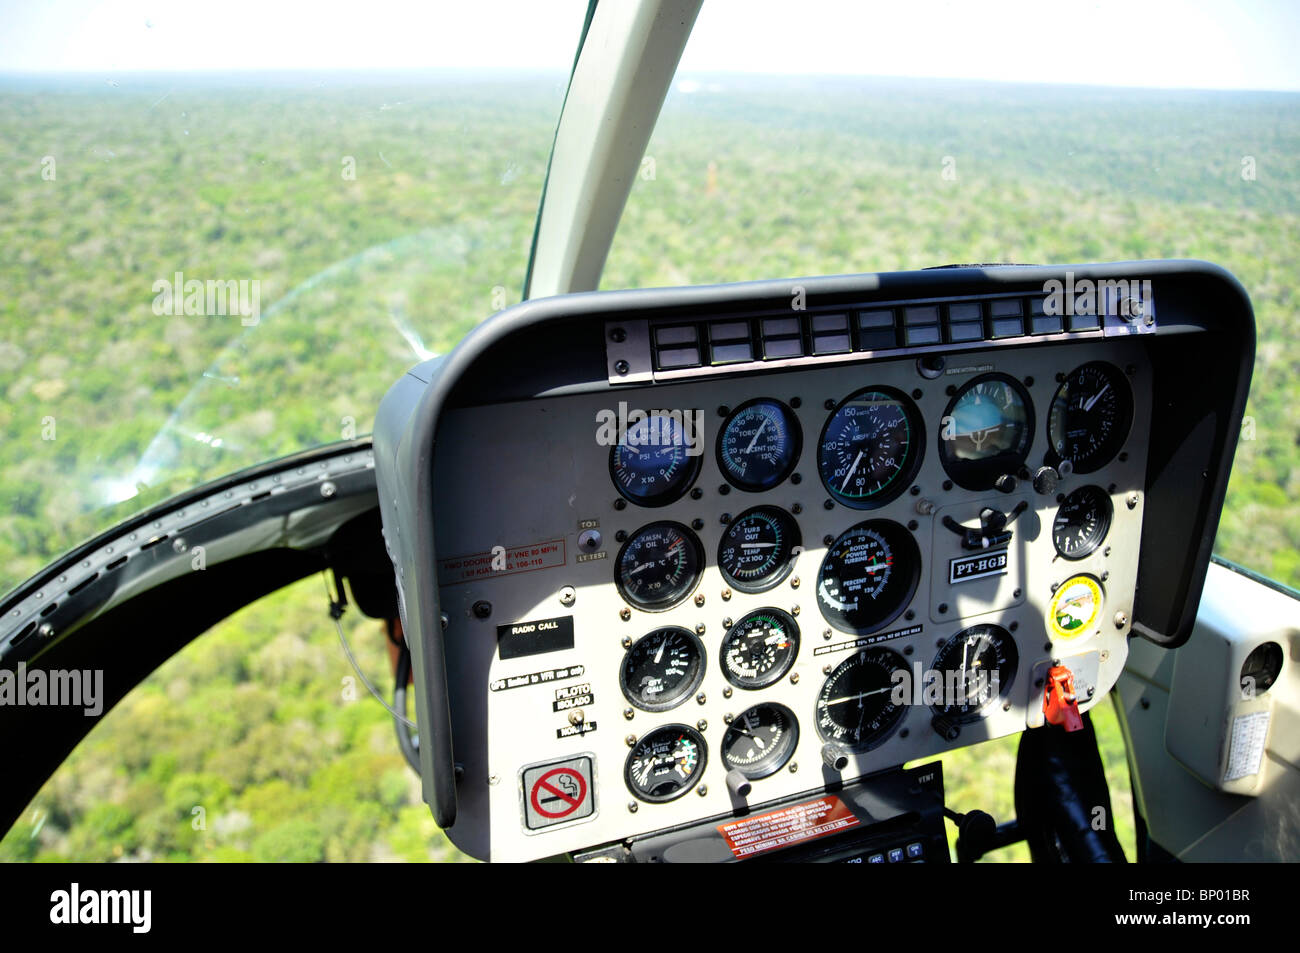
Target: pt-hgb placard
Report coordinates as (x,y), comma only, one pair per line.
(558,792)
(965,568)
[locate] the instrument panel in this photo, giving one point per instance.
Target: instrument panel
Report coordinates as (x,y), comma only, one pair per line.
(710,594)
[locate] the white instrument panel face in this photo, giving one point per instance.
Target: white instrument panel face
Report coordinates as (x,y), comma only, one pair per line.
(547,707)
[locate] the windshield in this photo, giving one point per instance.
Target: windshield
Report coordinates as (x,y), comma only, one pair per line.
(219,253)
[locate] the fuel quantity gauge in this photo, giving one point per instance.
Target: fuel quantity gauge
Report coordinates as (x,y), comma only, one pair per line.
(665,763)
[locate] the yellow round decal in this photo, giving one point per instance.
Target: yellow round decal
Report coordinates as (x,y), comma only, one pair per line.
(1076,607)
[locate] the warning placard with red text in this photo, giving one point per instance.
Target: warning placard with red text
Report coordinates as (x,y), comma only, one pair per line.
(790,825)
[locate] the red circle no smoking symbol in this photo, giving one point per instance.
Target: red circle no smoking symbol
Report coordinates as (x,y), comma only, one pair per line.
(558,793)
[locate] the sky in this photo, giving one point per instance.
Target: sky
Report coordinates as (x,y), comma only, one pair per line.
(1208,44)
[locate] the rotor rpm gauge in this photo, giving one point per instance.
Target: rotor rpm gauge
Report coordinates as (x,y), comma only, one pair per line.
(857,706)
(659,566)
(1090,417)
(760,740)
(757,551)
(977,666)
(759,445)
(652,465)
(870,447)
(662,669)
(987,429)
(665,763)
(1082,522)
(760,648)
(868,577)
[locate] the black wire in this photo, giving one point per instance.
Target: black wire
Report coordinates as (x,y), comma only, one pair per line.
(407,740)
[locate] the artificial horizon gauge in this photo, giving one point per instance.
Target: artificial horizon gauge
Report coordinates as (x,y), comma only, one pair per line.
(665,763)
(978,664)
(986,431)
(760,740)
(1090,417)
(868,576)
(760,648)
(1082,522)
(757,550)
(1076,607)
(870,447)
(858,705)
(659,566)
(759,445)
(662,669)
(653,464)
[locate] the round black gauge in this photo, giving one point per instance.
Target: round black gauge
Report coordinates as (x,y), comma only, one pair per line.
(1082,522)
(868,577)
(871,447)
(977,666)
(760,648)
(760,740)
(662,669)
(986,431)
(1261,669)
(757,550)
(858,706)
(654,463)
(659,566)
(1090,417)
(759,445)
(665,763)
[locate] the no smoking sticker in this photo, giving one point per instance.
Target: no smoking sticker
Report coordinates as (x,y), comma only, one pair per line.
(558,792)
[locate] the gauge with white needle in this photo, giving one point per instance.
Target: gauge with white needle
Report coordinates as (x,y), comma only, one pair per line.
(662,669)
(974,668)
(1090,417)
(757,551)
(659,566)
(986,431)
(759,445)
(859,704)
(665,763)
(760,740)
(868,577)
(870,447)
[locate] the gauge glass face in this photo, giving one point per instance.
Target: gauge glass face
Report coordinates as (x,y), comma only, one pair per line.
(977,666)
(760,648)
(1090,416)
(760,740)
(665,763)
(986,431)
(659,566)
(857,706)
(757,550)
(870,448)
(1082,522)
(662,669)
(653,464)
(868,576)
(759,445)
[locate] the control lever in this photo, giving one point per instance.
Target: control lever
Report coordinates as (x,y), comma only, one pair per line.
(1060,702)
(993,528)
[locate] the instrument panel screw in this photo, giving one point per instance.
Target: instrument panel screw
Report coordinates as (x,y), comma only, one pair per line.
(726,594)
(909,615)
(178,545)
(828,540)
(697,524)
(1106,551)
(618,335)
(628,713)
(794,583)
(620,536)
(797,509)
(915,491)
(728,718)
(1006,706)
(1132,500)
(1105,574)
(723,489)
(943,608)
(828,505)
(794,610)
(947,485)
(916,393)
(1121,619)
(1016,594)
(796,479)
(702,790)
(913,525)
(724,519)
(826,669)
(1038,683)
(328,489)
(625,613)
(627,641)
(794,678)
(482,609)
(702,724)
(621,368)
(699,628)
(826,634)
(632,807)
(1144,702)
(723,410)
(1047,646)
(697,493)
(631,740)
(46,630)
(794,766)
(568,596)
(904,733)
(701,698)
(726,692)
(699,599)
(726,622)
(1012,626)
(796,402)
(1105,655)
(620,504)
(908,650)
(1029,381)
(829,404)
(1055,586)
